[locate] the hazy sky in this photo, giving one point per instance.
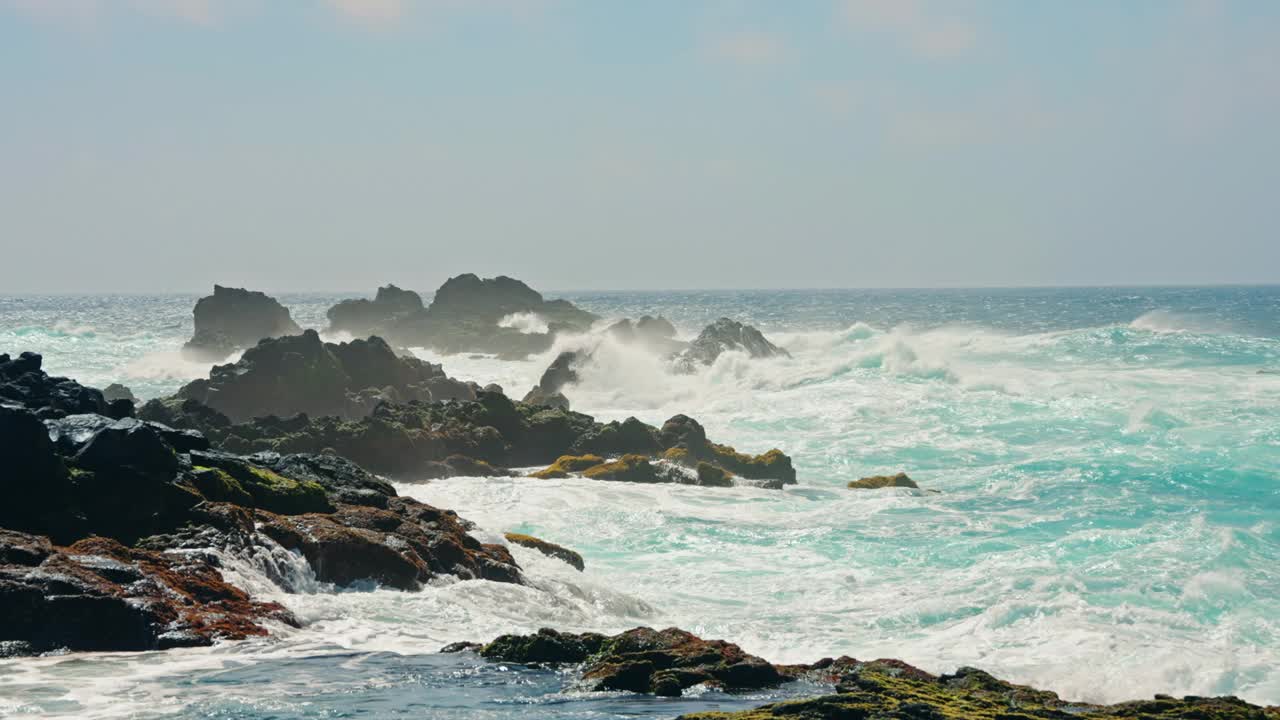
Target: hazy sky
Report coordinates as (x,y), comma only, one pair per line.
(341,144)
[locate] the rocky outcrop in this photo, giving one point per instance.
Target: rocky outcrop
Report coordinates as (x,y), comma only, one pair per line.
(549,549)
(561,372)
(98,594)
(234,318)
(372,317)
(893,689)
(669,662)
(467,312)
(722,336)
(877,482)
(643,660)
(108,525)
(302,374)
(420,440)
(23,383)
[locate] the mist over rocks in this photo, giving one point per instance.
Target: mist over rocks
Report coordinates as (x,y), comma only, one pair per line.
(723,336)
(465,316)
(361,317)
(302,374)
(235,318)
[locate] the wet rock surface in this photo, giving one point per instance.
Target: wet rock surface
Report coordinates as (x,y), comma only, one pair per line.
(722,336)
(110,528)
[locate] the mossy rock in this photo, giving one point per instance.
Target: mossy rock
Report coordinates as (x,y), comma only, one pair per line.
(628,468)
(880,689)
(286,496)
(549,549)
(566,465)
(714,476)
(877,482)
(772,465)
(544,646)
(680,456)
(217,484)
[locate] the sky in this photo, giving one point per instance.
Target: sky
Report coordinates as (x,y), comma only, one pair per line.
(164,145)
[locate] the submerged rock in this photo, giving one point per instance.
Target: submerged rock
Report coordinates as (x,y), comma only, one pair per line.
(549,549)
(876,482)
(234,318)
(722,336)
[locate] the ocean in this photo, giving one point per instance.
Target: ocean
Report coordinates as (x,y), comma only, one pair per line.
(1107,521)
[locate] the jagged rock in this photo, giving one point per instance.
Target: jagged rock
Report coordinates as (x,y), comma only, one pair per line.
(465,313)
(365,317)
(23,382)
(654,328)
(686,443)
(560,373)
(883,481)
(234,318)
(537,396)
(642,660)
(100,595)
(402,546)
(302,374)
(894,689)
(549,549)
(722,336)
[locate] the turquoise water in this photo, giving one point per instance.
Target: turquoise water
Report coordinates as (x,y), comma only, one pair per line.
(1107,526)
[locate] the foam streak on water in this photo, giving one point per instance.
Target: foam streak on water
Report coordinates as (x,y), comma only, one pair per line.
(1108,522)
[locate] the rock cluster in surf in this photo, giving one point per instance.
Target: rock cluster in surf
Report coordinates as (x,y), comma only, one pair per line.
(669,662)
(113,525)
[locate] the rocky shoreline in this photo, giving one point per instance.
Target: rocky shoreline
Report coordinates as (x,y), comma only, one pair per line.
(118,519)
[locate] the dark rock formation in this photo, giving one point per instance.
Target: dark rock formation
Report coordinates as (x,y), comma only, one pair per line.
(24,383)
(722,336)
(883,481)
(98,594)
(549,549)
(92,503)
(419,440)
(371,317)
(658,662)
(670,661)
(233,318)
(894,689)
(561,372)
(116,391)
(465,313)
(685,442)
(302,374)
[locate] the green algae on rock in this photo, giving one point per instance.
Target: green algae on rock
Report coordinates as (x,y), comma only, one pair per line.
(549,549)
(877,482)
(891,690)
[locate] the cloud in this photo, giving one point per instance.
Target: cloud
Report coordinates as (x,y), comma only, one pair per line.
(912,25)
(750,47)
